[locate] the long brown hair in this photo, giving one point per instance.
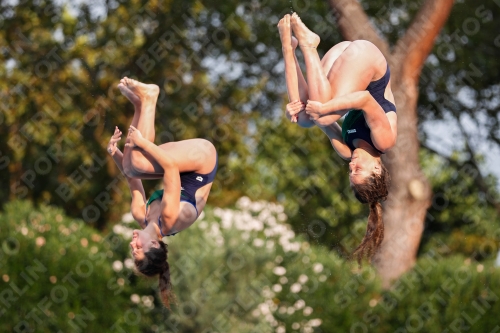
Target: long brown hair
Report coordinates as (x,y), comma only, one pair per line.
(374,190)
(155,263)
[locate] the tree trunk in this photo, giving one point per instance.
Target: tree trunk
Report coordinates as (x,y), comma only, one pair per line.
(409,196)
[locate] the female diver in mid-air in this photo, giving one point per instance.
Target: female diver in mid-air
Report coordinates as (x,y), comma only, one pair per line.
(352,78)
(187,169)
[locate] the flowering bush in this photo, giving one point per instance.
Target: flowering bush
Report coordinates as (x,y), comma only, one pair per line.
(234,270)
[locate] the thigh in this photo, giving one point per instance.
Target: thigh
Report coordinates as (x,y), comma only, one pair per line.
(194,155)
(332,55)
(355,68)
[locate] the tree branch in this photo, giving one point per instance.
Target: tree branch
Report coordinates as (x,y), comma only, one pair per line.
(414,47)
(354,23)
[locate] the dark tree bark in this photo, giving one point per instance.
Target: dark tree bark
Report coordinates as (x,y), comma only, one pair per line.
(410,193)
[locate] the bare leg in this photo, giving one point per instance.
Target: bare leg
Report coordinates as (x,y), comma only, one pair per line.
(143,97)
(358,64)
(197,155)
(303,89)
(295,83)
(329,59)
(318,85)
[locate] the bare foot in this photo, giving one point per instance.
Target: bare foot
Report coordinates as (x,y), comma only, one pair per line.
(140,90)
(285,31)
(133,98)
(306,37)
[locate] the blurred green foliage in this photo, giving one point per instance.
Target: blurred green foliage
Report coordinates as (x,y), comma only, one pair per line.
(234,270)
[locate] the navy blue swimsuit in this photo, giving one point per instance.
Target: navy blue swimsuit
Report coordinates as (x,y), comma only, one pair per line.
(190,183)
(355,126)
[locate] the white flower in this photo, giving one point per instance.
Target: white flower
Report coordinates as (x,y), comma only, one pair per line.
(257,242)
(269,318)
(127,218)
(303,278)
(277,288)
(135,298)
(279,270)
(307,311)
(267,293)
(117,265)
(148,301)
(295,288)
(264,309)
(243,203)
(317,268)
(280,329)
(129,263)
(315,322)
(299,304)
(257,206)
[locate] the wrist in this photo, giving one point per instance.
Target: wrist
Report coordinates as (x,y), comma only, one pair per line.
(142,143)
(322,110)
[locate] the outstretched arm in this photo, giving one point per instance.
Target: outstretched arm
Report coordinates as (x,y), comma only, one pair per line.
(171,179)
(138,204)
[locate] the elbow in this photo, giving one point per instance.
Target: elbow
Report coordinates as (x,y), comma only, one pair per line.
(387,145)
(138,213)
(168,221)
(168,162)
(365,98)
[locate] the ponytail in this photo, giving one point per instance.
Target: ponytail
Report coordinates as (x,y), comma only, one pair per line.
(165,286)
(374,234)
(155,263)
(372,192)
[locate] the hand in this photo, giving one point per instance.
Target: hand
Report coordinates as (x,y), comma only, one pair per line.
(134,137)
(313,109)
(293,108)
(112,142)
